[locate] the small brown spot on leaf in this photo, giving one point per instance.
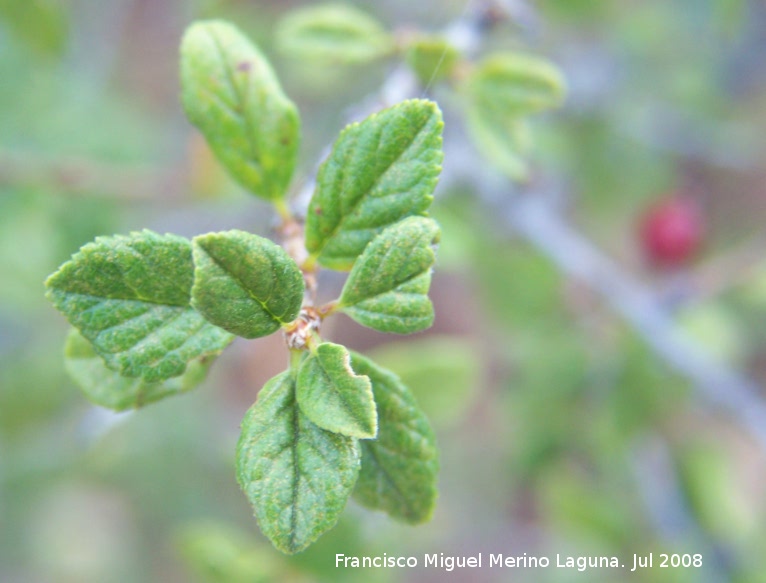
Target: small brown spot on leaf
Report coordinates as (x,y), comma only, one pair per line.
(244,66)
(317,210)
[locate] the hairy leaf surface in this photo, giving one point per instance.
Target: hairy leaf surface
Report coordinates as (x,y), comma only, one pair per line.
(130,297)
(244,283)
(387,288)
(400,468)
(297,476)
(108,388)
(333,396)
(379,171)
(232,95)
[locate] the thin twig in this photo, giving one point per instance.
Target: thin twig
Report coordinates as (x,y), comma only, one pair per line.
(535,217)
(538,221)
(668,512)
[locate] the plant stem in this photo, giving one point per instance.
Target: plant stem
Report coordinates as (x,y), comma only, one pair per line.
(295,359)
(328,309)
(283,210)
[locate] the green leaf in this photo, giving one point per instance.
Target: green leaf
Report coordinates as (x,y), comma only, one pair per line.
(590,508)
(332,396)
(108,388)
(388,287)
(333,34)
(502,139)
(502,90)
(451,363)
(41,24)
(711,491)
(432,58)
(129,296)
(297,476)
(516,84)
(400,468)
(232,95)
(219,553)
(244,283)
(380,171)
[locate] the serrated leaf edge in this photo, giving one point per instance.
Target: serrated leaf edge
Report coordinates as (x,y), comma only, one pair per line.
(316,254)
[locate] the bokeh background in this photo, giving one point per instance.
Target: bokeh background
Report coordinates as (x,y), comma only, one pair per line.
(562,428)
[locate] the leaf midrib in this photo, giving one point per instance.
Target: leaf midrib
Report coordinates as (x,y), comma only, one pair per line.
(398,284)
(241,284)
(296,469)
(336,388)
(234,88)
(358,201)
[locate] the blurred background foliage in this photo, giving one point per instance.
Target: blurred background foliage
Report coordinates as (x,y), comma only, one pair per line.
(560,431)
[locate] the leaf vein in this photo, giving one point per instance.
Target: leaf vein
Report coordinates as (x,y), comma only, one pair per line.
(235,89)
(407,503)
(355,204)
(244,287)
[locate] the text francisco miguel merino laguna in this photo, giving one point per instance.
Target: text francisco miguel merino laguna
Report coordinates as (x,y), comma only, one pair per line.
(449,563)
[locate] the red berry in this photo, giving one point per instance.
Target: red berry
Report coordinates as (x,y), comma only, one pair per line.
(672,231)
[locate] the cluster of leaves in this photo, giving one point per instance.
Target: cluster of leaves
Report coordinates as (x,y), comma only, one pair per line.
(151,312)
(500,90)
